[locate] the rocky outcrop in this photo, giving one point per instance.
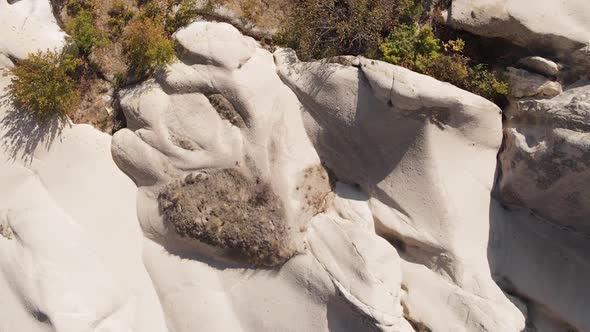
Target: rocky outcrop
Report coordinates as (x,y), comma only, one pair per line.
(546,158)
(545,26)
(526,84)
(70,245)
(70,251)
(539,226)
(419,148)
(28,26)
(271,194)
(544,181)
(341,276)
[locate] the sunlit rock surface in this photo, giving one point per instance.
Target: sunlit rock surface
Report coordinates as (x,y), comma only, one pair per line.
(254,192)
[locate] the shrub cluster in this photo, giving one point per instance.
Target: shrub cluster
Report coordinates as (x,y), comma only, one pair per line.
(172,14)
(146,46)
(418,49)
(319,28)
(82,32)
(119,16)
(45,84)
(388,30)
(49,82)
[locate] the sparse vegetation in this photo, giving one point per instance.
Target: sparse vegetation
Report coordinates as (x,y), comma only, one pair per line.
(45,85)
(82,32)
(319,28)
(396,31)
(119,15)
(418,49)
(75,6)
(172,14)
(146,46)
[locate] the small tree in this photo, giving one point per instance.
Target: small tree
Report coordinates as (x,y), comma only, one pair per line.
(44,84)
(146,46)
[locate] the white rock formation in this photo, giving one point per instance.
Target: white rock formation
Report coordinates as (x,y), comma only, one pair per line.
(70,244)
(421,149)
(540,229)
(73,262)
(28,26)
(547,25)
(344,278)
(539,241)
(540,65)
(399,234)
(546,158)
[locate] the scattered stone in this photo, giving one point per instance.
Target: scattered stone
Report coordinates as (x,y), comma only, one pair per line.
(540,65)
(526,84)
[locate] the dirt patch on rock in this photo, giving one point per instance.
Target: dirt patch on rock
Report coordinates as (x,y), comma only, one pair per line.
(227,210)
(315,189)
(226,110)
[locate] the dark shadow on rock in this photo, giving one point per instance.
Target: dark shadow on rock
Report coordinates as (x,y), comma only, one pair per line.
(344,317)
(24,133)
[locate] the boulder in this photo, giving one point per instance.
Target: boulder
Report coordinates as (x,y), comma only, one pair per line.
(424,151)
(70,243)
(548,26)
(546,157)
(540,65)
(526,84)
(218,134)
(28,26)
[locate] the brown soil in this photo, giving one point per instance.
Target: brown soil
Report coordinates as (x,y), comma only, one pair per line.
(227,210)
(265,14)
(97,107)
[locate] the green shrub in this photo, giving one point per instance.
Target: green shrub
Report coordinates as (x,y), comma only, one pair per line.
(320,28)
(146,46)
(82,33)
(154,10)
(185,13)
(44,84)
(410,11)
(73,7)
(486,84)
(119,16)
(173,14)
(409,47)
(453,68)
(419,50)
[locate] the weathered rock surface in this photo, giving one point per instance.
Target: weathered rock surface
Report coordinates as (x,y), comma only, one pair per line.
(540,65)
(343,276)
(28,26)
(276,195)
(401,137)
(546,158)
(527,84)
(547,26)
(71,248)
